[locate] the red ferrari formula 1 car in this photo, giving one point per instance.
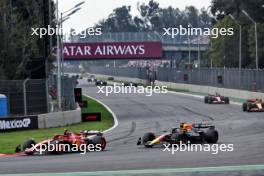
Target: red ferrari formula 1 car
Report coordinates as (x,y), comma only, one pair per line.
(216,99)
(67,142)
(253,105)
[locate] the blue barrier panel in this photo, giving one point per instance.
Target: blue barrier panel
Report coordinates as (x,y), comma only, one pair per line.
(3,106)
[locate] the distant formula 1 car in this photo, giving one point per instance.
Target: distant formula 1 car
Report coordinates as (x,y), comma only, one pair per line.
(100,83)
(253,105)
(194,133)
(216,99)
(30,147)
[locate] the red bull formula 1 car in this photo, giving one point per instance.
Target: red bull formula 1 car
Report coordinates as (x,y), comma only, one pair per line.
(193,133)
(216,99)
(253,105)
(66,142)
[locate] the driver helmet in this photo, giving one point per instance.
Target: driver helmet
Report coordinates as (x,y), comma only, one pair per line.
(186,126)
(67,132)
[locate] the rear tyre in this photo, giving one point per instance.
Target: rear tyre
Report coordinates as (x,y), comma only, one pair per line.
(99,140)
(244,107)
(226,100)
(148,137)
(206,99)
(211,136)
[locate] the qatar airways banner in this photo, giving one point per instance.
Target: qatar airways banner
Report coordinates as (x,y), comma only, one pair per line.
(112,50)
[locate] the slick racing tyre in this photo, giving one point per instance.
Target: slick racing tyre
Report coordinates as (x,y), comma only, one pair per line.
(28,144)
(205,99)
(99,140)
(147,138)
(226,100)
(244,107)
(211,136)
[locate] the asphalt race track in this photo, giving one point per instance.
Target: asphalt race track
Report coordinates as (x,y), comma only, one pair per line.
(138,114)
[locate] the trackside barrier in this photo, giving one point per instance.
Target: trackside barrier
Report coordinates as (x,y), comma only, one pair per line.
(234,93)
(59,119)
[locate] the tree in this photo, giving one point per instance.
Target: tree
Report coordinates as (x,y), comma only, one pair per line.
(220,51)
(222,8)
(20,47)
(149,16)
(153,18)
(119,20)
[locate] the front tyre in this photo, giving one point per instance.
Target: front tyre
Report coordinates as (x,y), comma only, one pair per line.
(211,136)
(148,137)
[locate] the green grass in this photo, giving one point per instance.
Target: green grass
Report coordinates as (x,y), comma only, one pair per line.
(8,141)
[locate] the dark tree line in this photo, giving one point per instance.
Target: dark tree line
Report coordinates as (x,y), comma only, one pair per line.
(225,50)
(21,54)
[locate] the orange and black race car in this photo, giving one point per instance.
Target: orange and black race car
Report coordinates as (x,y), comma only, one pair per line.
(216,99)
(67,142)
(253,105)
(187,132)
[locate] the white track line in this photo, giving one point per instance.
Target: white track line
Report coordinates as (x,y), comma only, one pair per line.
(113,114)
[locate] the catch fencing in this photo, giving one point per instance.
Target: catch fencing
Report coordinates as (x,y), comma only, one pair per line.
(246,79)
(37,96)
(25,96)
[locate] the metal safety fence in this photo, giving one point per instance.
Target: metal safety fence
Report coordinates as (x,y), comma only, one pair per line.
(37,96)
(25,96)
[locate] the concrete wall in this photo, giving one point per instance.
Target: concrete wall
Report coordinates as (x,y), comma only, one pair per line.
(196,88)
(59,119)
